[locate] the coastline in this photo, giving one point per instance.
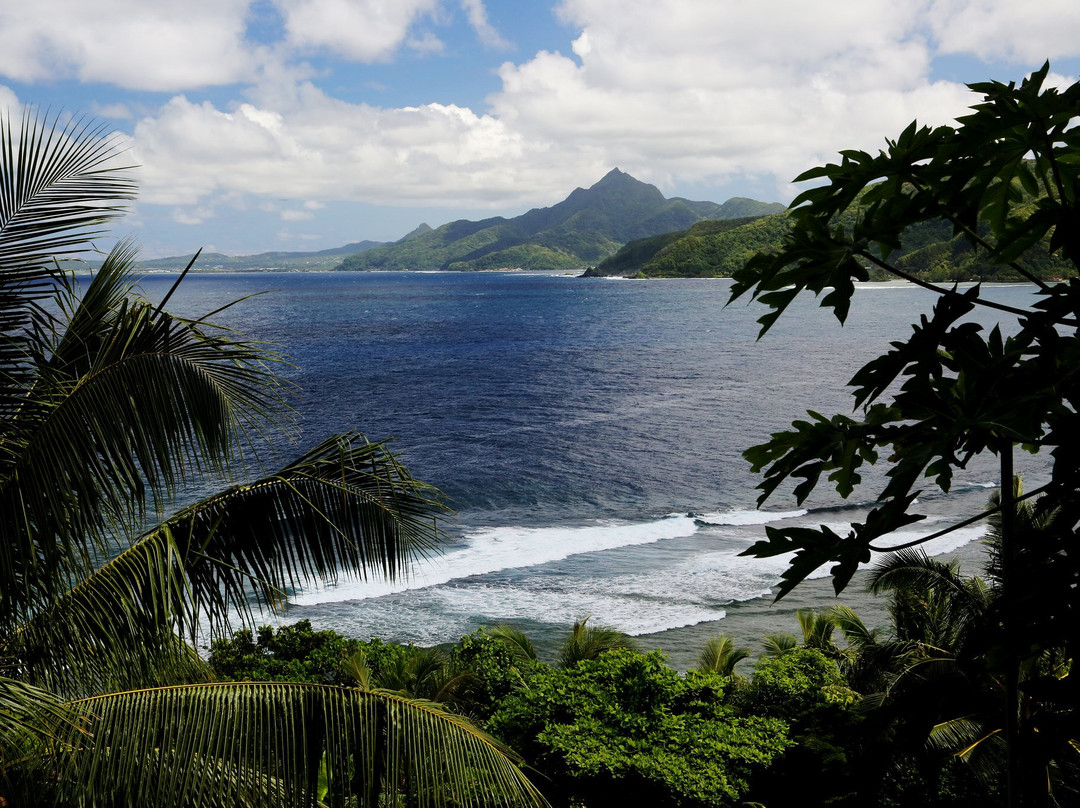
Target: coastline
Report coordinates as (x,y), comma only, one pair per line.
(751,620)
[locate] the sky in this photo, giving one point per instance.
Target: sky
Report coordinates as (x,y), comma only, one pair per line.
(300,125)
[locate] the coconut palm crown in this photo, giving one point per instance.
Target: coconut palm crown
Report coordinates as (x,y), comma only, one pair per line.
(109,407)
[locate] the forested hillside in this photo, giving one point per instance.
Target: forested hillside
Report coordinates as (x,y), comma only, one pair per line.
(583,229)
(716,249)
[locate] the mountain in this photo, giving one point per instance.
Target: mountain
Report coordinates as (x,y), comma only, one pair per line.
(715,249)
(707,249)
(586,227)
(320,259)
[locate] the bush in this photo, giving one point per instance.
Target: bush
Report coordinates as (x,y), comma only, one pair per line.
(626,729)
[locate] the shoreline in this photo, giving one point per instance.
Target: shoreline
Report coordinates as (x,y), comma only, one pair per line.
(751,620)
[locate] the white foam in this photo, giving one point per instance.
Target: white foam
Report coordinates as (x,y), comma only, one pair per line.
(935,547)
(494,549)
(628,613)
(740,518)
(771,568)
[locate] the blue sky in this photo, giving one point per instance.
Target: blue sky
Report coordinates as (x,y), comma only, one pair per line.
(306,124)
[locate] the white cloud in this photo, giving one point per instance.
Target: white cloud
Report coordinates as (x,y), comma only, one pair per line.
(365,30)
(426,43)
(313,147)
(191,216)
(478,19)
(1007,30)
(296,215)
(139,44)
(9,102)
(712,90)
(290,236)
(117,110)
(702,91)
(169,46)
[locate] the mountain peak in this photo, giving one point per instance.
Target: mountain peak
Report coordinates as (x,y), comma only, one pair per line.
(586,227)
(616,179)
(615,185)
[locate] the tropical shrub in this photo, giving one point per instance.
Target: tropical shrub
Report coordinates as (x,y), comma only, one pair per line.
(804,688)
(624,728)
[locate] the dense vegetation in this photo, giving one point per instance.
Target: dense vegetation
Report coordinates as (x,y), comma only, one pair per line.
(1007,179)
(585,228)
(838,715)
(707,250)
(929,250)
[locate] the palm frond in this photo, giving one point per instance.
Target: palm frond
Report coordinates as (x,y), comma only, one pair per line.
(778,644)
(923,672)
(721,655)
(28,712)
(58,185)
(817,629)
(972,740)
(31,720)
(930,600)
(588,642)
(356,666)
(346,507)
(125,403)
(959,735)
(265,744)
(911,568)
(852,627)
(515,640)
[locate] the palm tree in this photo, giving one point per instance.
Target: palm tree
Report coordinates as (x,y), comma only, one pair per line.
(721,655)
(109,407)
(588,642)
(581,643)
(777,644)
(948,687)
(517,642)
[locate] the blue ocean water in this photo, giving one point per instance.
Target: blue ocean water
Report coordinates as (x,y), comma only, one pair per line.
(587,432)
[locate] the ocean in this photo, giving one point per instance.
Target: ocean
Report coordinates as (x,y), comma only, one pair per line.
(588,434)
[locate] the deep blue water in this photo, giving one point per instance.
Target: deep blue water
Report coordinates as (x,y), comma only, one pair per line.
(588,434)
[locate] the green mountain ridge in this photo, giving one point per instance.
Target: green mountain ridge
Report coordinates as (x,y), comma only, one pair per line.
(585,228)
(318,259)
(715,249)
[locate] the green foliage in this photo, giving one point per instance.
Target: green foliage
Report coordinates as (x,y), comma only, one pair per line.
(720,655)
(709,249)
(716,253)
(266,261)
(495,673)
(567,255)
(625,728)
(471,677)
(1007,180)
(955,400)
(804,688)
(632,256)
(791,684)
(293,653)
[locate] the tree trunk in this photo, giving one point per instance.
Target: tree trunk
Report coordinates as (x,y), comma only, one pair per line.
(1013,775)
